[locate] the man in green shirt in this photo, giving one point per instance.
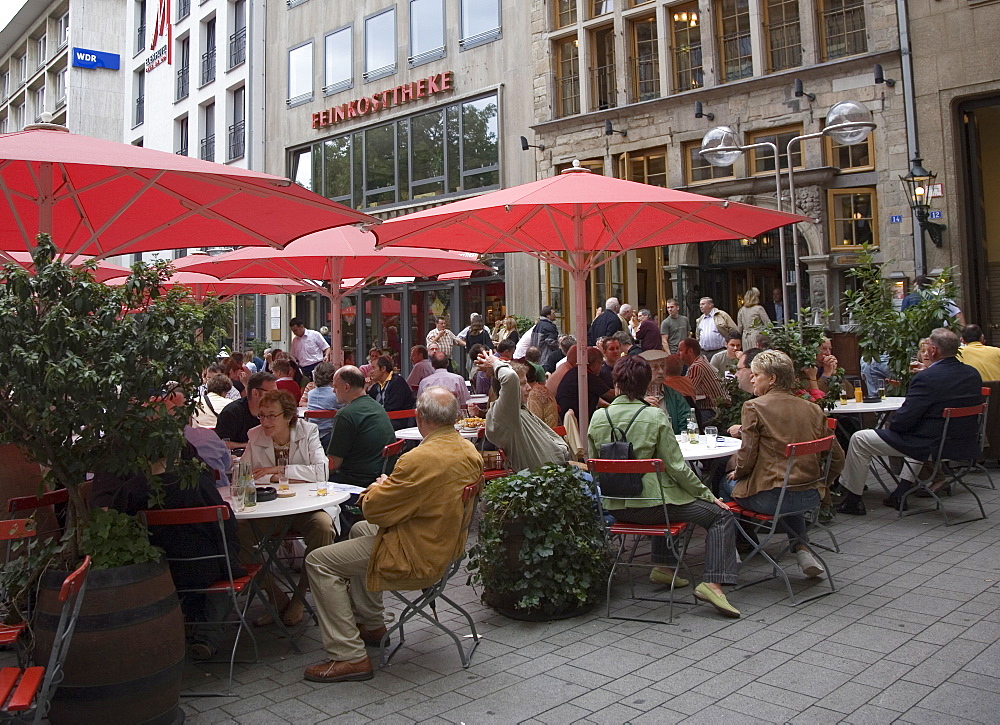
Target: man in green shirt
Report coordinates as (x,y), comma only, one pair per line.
(360,431)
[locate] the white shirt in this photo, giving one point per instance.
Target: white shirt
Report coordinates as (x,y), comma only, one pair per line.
(523,343)
(309,348)
(709,336)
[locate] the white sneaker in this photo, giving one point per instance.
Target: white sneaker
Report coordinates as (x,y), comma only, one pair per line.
(808,564)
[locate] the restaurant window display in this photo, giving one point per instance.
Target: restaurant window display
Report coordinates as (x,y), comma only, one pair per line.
(430,304)
(449,150)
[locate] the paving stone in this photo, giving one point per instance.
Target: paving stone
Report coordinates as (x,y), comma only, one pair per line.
(296,712)
(596,699)
(613,666)
(912,653)
(816,715)
(568,673)
(487,685)
(757,709)
(963,701)
(805,679)
(519,702)
(663,716)
(688,702)
(683,681)
(872,715)
(882,674)
(867,637)
(614,714)
(434,706)
(901,695)
(563,715)
(781,696)
(971,679)
(921,716)
(627,685)
(762,662)
(849,697)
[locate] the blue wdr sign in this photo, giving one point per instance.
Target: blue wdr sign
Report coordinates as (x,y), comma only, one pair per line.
(83,58)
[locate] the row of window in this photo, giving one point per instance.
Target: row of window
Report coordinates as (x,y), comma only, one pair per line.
(449,150)
(479,23)
(233,146)
(840,27)
(38,50)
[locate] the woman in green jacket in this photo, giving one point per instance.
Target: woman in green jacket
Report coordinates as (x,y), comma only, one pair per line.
(686,498)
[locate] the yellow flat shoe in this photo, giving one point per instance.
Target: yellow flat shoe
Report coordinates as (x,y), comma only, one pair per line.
(666,576)
(703,593)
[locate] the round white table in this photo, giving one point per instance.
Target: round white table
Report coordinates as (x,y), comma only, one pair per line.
(413,434)
(701,452)
(883,406)
(304,501)
(479,399)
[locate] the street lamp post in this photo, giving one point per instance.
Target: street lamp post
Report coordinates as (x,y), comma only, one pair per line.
(918,187)
(720,147)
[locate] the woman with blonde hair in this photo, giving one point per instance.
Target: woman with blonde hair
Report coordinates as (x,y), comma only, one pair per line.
(507,327)
(752,318)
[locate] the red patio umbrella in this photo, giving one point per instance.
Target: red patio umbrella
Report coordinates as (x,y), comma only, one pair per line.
(578,221)
(103,272)
(104,198)
(205,285)
(335,256)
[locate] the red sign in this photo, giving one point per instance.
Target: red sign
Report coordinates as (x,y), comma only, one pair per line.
(162,26)
(438,83)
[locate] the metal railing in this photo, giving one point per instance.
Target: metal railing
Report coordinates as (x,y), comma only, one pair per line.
(568,89)
(208,67)
(140,110)
(207,151)
(605,87)
(140,38)
(237,140)
(238,47)
(646,74)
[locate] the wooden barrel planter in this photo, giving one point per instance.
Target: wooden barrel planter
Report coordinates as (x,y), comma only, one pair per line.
(126,659)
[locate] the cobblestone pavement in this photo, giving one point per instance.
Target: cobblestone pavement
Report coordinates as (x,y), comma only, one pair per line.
(912,635)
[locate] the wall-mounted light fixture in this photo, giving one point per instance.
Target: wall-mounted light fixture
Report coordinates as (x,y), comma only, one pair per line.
(700,113)
(610,130)
(918,187)
(525,145)
(880,76)
(799,93)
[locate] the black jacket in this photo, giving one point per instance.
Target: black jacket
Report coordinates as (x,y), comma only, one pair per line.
(397,396)
(606,325)
(545,338)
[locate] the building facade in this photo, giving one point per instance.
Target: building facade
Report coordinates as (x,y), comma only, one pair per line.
(57,59)
(393,106)
(666,73)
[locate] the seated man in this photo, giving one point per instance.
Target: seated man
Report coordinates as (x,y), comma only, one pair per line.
(282,370)
(532,357)
(189,541)
(421,366)
(915,429)
(414,530)
(237,419)
(725,361)
(707,386)
(444,379)
(599,393)
(360,431)
(525,438)
(390,391)
(984,358)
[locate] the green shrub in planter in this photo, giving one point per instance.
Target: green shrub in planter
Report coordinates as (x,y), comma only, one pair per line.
(542,551)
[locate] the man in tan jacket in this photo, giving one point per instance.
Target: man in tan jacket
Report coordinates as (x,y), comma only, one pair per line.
(415,527)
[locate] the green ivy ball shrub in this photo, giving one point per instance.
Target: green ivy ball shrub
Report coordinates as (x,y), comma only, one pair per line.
(542,550)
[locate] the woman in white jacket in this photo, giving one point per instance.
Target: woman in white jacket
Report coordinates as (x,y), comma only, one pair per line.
(283,441)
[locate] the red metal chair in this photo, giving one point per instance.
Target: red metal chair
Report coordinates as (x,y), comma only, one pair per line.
(956,471)
(401,414)
(236,587)
(677,536)
(765,526)
(11,531)
(976,465)
(393,449)
(428,597)
(25,693)
(560,430)
(312,414)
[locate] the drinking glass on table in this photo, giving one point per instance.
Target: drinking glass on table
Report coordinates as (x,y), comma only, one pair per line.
(881,389)
(711,436)
(282,478)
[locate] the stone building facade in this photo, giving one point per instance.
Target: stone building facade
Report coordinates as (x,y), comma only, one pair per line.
(647,67)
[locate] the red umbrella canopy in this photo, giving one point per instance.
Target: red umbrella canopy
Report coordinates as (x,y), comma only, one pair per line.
(103,272)
(204,285)
(104,198)
(580,212)
(334,255)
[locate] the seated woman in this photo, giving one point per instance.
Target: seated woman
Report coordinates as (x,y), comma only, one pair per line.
(770,421)
(282,441)
(687,498)
(322,397)
(525,438)
(540,400)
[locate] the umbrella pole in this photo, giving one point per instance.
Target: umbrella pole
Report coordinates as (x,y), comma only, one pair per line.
(580,329)
(336,332)
(45,192)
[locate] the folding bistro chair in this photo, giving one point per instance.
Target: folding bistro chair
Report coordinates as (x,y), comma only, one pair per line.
(237,588)
(314,414)
(976,465)
(10,531)
(955,470)
(677,536)
(25,694)
(765,526)
(428,597)
(402,414)
(59,496)
(813,520)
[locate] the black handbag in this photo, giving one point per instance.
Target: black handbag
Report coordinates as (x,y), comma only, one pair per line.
(619,485)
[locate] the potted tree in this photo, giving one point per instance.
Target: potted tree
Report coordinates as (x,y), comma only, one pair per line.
(542,551)
(86,364)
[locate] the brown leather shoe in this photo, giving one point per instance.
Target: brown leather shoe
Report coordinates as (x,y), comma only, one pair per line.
(335,671)
(373,637)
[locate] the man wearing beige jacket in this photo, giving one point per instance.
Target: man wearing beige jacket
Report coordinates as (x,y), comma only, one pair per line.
(414,530)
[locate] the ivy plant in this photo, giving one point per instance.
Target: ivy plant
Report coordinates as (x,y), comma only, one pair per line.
(115,539)
(562,562)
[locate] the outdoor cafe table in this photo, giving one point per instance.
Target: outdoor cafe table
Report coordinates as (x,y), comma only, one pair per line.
(304,501)
(413,434)
(883,408)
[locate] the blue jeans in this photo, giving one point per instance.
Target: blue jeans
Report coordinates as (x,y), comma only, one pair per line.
(766,502)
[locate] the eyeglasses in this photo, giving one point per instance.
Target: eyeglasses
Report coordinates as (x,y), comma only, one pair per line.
(273,416)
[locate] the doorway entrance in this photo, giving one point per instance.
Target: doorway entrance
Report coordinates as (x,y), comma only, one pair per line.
(980,121)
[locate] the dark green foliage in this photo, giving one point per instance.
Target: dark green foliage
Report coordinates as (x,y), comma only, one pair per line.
(801,341)
(523,323)
(730,414)
(115,539)
(563,560)
(882,329)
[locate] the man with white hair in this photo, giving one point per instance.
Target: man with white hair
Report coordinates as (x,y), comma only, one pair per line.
(713,327)
(607,323)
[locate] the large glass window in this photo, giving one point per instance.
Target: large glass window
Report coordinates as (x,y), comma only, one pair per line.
(784,40)
(338,55)
(300,74)
(734,39)
(645,60)
(843,28)
(853,219)
(697,170)
(450,150)
(567,77)
(380,45)
(426,31)
(601,7)
(565,13)
(685,45)
(762,160)
(604,88)
(856,157)
(645,167)
(480,22)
